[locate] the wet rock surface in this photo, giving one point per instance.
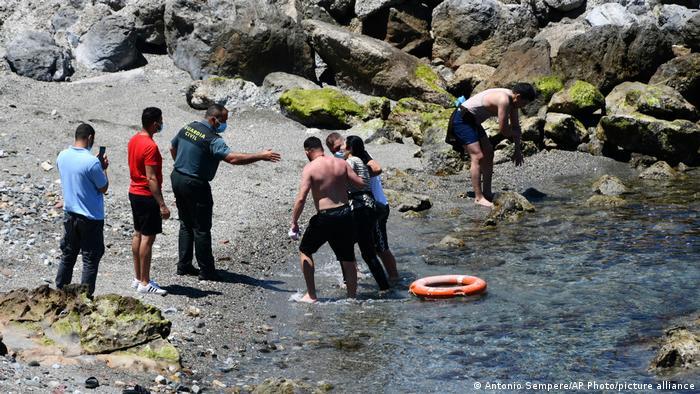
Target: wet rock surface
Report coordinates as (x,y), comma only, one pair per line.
(509,207)
(680,349)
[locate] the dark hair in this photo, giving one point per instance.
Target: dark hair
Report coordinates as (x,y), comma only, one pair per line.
(357,148)
(525,90)
(83,131)
(332,137)
(150,115)
(215,110)
(313,143)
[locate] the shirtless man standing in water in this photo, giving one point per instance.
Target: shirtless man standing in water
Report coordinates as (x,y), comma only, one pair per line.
(326,177)
(503,103)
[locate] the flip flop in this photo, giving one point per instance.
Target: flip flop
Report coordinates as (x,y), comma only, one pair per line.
(91,383)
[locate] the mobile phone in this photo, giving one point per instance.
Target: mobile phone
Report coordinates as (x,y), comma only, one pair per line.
(101,153)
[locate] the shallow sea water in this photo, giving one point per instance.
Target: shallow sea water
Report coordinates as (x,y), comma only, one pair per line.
(574,294)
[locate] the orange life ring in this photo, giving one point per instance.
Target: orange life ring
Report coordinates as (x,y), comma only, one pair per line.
(465,285)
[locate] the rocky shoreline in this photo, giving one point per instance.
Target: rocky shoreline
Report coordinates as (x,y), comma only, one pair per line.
(619,80)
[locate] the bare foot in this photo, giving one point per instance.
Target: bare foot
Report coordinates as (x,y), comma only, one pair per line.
(483,202)
(307,299)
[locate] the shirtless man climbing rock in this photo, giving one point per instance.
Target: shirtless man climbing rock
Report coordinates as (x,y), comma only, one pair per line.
(466,121)
(327,178)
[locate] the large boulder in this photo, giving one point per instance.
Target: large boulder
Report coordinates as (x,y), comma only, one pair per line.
(660,171)
(35,55)
(324,108)
(110,45)
(277,83)
(674,20)
(476,31)
(682,74)
(425,123)
(673,141)
(148,17)
(242,38)
(557,33)
(365,8)
(375,67)
(610,14)
(229,92)
(691,32)
(508,207)
(608,55)
(659,101)
(565,5)
(408,28)
(564,130)
(407,201)
(579,99)
(526,60)
(468,77)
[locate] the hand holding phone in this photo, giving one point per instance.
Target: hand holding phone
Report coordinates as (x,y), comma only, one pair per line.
(102,158)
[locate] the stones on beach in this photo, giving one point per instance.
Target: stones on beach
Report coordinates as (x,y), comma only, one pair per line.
(660,171)
(326,108)
(407,201)
(35,54)
(658,101)
(508,207)
(605,201)
(680,349)
(220,90)
(283,385)
(682,74)
(609,185)
(450,242)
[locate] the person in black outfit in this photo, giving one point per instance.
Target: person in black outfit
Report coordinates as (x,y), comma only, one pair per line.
(197,150)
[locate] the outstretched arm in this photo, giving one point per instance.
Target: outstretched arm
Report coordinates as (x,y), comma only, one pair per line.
(248,158)
(300,200)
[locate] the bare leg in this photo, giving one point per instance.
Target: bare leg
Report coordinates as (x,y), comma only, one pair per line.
(307,268)
(486,167)
(389,264)
(350,269)
(145,250)
(477,156)
(135,244)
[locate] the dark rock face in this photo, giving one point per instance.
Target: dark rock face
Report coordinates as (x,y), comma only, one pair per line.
(373,66)
(525,60)
(475,31)
(408,28)
(674,141)
(35,55)
(683,74)
(608,55)
(249,39)
(110,45)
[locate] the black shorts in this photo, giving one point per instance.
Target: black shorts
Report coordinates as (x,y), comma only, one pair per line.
(466,129)
(334,226)
(146,213)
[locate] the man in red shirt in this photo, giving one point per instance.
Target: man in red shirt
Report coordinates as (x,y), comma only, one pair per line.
(147,204)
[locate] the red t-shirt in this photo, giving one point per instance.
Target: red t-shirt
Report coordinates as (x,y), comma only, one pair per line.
(143,152)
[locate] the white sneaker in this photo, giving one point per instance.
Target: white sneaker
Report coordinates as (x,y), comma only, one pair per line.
(135,283)
(151,288)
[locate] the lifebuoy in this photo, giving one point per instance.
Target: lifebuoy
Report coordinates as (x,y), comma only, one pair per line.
(464,285)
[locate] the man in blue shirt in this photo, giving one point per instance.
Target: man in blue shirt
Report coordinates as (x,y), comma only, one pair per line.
(197,150)
(84,182)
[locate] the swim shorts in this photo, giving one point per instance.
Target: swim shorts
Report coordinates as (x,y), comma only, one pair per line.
(146,214)
(466,129)
(334,226)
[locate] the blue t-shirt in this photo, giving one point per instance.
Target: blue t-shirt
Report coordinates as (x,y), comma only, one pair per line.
(81,177)
(199,150)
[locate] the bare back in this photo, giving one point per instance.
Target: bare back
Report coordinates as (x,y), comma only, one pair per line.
(328,177)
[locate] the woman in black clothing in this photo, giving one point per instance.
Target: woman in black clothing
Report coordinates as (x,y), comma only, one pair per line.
(363,208)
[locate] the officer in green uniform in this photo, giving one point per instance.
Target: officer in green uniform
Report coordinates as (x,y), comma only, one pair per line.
(197,150)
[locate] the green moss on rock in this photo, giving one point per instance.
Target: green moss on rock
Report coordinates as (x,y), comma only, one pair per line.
(548,85)
(68,325)
(430,78)
(321,107)
(585,95)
